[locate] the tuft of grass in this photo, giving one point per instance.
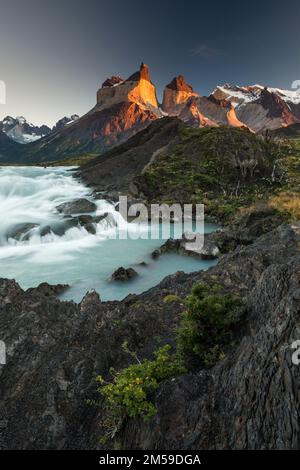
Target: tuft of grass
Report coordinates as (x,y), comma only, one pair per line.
(287,203)
(172,298)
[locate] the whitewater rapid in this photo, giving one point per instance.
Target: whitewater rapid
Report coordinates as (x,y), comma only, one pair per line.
(30,195)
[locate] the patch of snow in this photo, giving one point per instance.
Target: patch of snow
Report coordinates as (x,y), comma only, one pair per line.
(30,138)
(241,95)
(290,96)
(18,136)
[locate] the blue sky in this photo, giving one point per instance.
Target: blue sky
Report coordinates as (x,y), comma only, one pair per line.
(54,55)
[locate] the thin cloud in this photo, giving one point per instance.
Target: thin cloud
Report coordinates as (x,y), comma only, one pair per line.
(205,51)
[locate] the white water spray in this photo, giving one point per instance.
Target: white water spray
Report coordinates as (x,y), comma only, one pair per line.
(74,256)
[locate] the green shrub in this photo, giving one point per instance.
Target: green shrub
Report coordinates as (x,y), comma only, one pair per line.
(170,298)
(130,392)
(206,326)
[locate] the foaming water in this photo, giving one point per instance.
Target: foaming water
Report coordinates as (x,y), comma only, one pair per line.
(74,256)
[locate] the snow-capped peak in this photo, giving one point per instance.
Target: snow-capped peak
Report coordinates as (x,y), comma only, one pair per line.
(241,95)
(65,121)
(21,120)
(22,131)
(238,95)
(290,96)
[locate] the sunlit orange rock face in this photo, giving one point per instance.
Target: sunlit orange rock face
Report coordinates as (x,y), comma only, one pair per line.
(120,122)
(125,106)
(192,115)
(138,89)
(233,119)
(198,111)
(176,95)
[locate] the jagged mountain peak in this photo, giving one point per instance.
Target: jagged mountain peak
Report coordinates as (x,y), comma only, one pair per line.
(142,74)
(261,107)
(9,120)
(65,121)
(22,131)
(176,95)
(21,119)
(249,93)
(179,84)
(276,106)
(237,94)
(126,106)
(113,81)
(137,89)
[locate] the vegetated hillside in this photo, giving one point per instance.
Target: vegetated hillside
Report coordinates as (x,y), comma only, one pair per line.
(115,170)
(224,168)
(287,200)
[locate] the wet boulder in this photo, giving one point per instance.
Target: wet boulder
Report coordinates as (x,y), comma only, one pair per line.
(20,231)
(80,206)
(208,251)
(91,228)
(59,228)
(89,222)
(123,274)
(99,218)
(85,219)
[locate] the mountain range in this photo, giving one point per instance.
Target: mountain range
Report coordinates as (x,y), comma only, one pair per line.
(126,106)
(23,132)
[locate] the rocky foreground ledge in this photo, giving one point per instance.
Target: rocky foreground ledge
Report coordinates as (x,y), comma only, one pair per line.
(249,400)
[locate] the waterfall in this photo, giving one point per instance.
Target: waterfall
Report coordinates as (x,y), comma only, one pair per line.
(38,243)
(29,197)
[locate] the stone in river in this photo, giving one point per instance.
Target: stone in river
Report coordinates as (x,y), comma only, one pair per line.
(123,274)
(80,206)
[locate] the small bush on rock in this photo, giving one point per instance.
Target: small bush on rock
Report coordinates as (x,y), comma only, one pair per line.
(129,394)
(207,325)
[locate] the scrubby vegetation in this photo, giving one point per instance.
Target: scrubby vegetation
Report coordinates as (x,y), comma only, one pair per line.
(170,298)
(206,326)
(206,329)
(130,392)
(224,168)
(288,203)
(287,200)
